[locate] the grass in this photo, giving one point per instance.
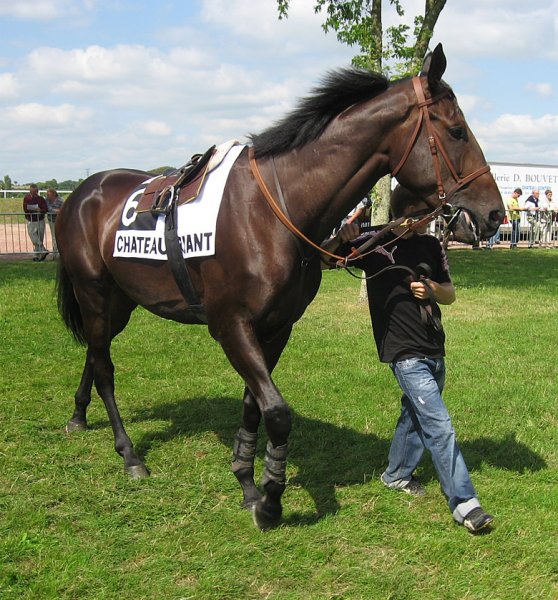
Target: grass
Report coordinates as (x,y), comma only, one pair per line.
(11,205)
(72,525)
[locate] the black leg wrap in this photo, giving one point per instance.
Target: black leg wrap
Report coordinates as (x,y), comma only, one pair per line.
(275,464)
(244,450)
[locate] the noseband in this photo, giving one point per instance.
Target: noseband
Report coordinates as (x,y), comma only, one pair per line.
(436,146)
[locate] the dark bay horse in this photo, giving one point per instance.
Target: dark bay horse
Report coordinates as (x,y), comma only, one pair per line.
(326,154)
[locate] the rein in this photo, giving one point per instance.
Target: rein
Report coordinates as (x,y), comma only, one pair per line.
(280,214)
(277,210)
(436,148)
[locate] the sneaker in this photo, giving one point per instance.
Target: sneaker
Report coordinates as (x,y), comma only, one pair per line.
(477,519)
(412,487)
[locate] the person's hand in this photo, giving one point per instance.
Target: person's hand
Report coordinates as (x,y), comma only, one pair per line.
(420,290)
(349,231)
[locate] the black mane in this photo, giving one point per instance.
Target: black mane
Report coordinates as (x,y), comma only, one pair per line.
(338,90)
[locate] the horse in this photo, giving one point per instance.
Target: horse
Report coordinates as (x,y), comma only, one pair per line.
(325,155)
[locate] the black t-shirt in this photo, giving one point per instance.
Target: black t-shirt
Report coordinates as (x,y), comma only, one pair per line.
(399,330)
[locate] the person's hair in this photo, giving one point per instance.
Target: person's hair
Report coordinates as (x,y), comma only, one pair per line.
(52,190)
(34,186)
(401,198)
(548,192)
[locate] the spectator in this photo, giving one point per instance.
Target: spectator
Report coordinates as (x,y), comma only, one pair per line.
(545,206)
(532,208)
(409,335)
(35,208)
(554,213)
(514,216)
(362,214)
(54,204)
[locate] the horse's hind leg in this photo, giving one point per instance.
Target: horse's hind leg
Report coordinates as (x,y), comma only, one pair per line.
(105,311)
(82,398)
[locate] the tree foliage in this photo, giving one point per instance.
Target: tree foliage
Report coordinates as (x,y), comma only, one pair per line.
(399,49)
(6,184)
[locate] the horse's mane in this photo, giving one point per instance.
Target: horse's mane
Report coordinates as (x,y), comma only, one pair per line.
(338,90)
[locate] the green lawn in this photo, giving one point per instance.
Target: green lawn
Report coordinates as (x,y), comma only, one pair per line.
(74,526)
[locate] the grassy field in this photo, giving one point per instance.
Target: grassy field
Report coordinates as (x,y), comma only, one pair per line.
(73,526)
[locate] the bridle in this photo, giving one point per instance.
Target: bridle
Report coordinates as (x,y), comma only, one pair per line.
(436,148)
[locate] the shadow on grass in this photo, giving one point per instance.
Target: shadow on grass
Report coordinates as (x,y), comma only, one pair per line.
(327,456)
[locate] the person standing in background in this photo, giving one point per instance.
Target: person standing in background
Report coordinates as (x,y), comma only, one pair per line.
(532,208)
(54,204)
(35,208)
(545,206)
(514,215)
(554,215)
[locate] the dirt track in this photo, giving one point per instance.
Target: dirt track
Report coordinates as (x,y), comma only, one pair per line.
(14,239)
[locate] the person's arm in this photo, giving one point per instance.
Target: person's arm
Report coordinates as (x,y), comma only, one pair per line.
(355,215)
(30,205)
(443,293)
(43,207)
(349,231)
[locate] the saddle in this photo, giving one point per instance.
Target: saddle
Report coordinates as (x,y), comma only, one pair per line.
(180,187)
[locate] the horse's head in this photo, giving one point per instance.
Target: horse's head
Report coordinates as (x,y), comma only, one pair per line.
(439,158)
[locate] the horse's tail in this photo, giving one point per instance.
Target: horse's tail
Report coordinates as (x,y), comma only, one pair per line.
(68,306)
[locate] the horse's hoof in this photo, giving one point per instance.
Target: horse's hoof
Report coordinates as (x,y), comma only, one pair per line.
(265,519)
(137,471)
(73,426)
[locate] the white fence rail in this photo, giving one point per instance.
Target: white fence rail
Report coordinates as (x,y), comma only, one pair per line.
(15,240)
(16,193)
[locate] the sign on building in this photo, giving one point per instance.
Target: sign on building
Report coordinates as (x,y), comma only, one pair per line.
(527,177)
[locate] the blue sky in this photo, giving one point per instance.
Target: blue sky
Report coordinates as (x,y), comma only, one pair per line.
(88,85)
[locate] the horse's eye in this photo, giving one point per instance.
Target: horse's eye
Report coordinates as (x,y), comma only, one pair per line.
(458,133)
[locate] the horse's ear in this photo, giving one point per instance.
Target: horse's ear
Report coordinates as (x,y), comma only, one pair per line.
(434,66)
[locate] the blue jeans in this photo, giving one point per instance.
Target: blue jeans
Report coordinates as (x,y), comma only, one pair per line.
(425,423)
(515,232)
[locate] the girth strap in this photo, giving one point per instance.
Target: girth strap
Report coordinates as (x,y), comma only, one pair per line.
(178,265)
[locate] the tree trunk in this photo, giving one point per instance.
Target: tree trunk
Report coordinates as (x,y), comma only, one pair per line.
(432,11)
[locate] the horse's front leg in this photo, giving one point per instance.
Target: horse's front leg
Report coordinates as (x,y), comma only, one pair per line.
(263,398)
(244,450)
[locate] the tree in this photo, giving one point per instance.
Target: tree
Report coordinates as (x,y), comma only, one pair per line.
(7,183)
(396,50)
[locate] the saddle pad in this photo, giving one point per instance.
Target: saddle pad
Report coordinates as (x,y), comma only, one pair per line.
(142,235)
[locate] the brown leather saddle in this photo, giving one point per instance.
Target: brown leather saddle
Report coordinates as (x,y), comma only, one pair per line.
(181,187)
